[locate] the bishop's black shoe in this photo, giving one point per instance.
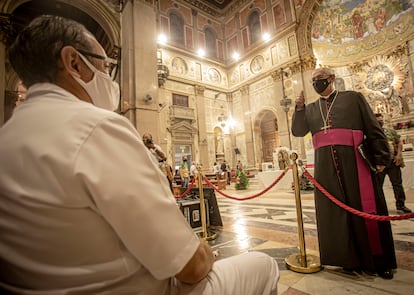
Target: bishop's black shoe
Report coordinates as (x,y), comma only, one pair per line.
(403,209)
(386,274)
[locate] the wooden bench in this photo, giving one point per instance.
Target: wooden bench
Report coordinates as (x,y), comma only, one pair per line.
(215,179)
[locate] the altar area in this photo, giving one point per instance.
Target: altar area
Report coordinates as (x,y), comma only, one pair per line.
(268,175)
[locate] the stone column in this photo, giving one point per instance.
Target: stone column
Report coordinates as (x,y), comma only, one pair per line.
(232,131)
(202,154)
(139,66)
(248,122)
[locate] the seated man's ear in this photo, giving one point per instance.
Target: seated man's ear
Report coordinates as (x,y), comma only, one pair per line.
(74,65)
(70,61)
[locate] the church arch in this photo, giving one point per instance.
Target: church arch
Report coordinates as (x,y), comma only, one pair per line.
(99,19)
(266,133)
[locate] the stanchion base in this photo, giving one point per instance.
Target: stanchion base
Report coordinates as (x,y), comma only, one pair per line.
(210,235)
(313,263)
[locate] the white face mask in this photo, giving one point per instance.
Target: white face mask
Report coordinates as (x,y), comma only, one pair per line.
(103,91)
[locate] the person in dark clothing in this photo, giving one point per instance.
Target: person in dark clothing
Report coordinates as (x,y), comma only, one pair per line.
(226,171)
(393,170)
(339,122)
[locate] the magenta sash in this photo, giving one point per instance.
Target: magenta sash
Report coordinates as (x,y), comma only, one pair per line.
(354,138)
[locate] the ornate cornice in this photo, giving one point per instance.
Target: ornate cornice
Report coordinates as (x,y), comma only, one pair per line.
(305,21)
(230,9)
(298,66)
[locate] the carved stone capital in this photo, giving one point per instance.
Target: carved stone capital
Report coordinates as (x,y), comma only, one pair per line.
(308,63)
(199,90)
(276,75)
(244,90)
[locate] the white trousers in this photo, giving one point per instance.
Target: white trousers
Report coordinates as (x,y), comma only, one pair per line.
(252,273)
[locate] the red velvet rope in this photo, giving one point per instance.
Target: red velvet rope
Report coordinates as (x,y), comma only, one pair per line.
(352,210)
(249,197)
(186,191)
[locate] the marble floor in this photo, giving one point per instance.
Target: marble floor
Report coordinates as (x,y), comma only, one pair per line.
(269,224)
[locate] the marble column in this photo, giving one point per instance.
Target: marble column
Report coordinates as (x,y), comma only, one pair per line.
(139,66)
(248,121)
(202,150)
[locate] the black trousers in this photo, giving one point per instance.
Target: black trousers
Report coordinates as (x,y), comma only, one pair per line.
(394,173)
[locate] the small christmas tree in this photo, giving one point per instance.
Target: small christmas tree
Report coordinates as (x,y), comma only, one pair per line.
(242,181)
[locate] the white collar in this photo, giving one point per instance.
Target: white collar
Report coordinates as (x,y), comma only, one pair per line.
(45,89)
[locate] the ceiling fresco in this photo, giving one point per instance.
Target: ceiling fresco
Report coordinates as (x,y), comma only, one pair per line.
(347,30)
(341,21)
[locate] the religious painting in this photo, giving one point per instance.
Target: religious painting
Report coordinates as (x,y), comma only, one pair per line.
(282,50)
(279,15)
(235,77)
(256,64)
(340,21)
(293,48)
(179,66)
(214,75)
(275,59)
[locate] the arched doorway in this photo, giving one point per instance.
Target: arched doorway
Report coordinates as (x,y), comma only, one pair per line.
(101,22)
(267,135)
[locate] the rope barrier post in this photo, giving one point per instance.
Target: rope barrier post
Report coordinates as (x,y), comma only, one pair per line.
(301,262)
(202,206)
(204,233)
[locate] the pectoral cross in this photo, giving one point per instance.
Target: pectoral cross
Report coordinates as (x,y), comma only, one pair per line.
(325,128)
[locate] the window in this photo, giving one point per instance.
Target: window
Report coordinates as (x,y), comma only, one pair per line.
(180,100)
(177,28)
(210,36)
(254,27)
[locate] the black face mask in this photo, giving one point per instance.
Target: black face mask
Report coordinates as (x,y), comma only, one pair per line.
(320,85)
(381,123)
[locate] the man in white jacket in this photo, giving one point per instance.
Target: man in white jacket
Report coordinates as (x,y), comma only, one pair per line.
(75,218)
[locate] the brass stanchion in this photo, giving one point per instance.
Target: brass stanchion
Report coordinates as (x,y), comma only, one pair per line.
(301,262)
(205,234)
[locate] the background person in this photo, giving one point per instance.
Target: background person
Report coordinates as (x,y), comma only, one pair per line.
(393,170)
(159,156)
(226,171)
(338,122)
(193,170)
(78,220)
(184,173)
